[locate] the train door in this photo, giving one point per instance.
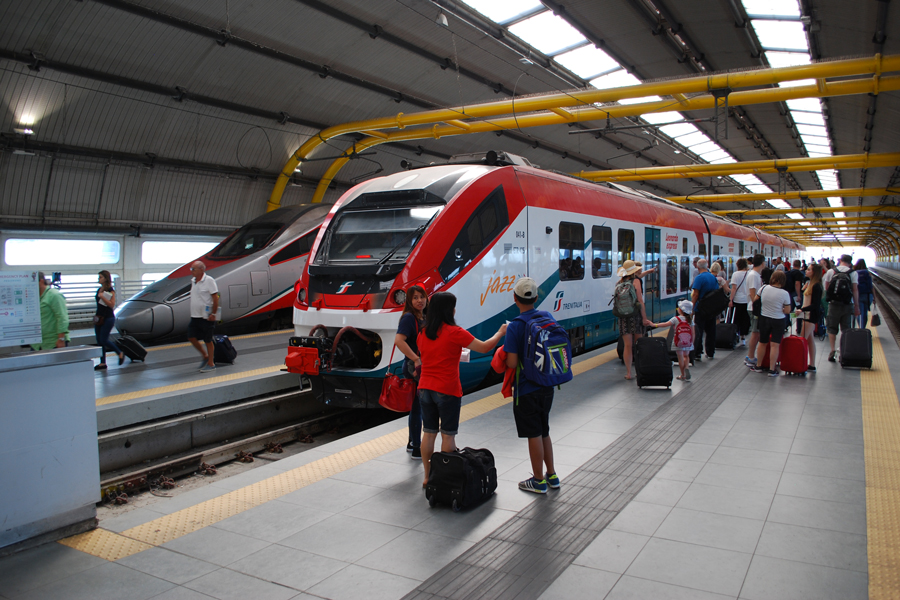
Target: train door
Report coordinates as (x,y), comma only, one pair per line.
(651,281)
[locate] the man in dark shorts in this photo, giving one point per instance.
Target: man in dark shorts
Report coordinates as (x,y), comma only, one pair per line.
(531,407)
(204,306)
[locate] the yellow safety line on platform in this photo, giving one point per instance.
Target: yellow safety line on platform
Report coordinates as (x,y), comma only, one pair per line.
(112,546)
(881,430)
(187,385)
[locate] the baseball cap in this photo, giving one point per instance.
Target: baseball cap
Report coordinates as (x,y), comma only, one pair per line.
(686,306)
(526,288)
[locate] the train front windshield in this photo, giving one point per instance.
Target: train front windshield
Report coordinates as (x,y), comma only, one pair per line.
(377,234)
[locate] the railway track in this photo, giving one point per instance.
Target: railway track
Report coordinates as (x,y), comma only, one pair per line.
(152,455)
(887,297)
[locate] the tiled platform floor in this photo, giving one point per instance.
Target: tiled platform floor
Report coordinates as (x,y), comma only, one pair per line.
(765,500)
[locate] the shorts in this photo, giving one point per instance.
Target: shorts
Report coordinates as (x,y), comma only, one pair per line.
(633,324)
(440,412)
(201,329)
(770,330)
(532,413)
(839,315)
(754,324)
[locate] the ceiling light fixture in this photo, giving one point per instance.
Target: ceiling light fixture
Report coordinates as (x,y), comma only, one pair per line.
(23,130)
(442,20)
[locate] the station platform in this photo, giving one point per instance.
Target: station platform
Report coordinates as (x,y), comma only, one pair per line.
(168,382)
(732,485)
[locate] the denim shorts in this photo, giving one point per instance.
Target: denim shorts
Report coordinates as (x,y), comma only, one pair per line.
(440,412)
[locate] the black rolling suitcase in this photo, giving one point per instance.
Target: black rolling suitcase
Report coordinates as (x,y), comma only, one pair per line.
(856,348)
(652,365)
(132,348)
(461,479)
(224,351)
(727,332)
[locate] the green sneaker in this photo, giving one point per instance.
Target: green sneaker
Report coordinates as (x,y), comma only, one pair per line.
(533,485)
(553,480)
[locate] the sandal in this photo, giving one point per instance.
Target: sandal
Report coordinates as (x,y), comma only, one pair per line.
(628,378)
(680,378)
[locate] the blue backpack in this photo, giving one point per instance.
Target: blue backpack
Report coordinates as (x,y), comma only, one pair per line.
(546,359)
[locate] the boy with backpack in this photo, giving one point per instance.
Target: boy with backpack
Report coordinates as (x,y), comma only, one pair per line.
(842,294)
(538,349)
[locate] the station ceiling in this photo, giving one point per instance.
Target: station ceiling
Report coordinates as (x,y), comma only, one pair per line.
(178,115)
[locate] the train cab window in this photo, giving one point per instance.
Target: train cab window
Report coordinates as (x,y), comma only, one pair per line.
(571,251)
(702,251)
(684,246)
(298,247)
(626,246)
(685,278)
(487,221)
(671,275)
(601,248)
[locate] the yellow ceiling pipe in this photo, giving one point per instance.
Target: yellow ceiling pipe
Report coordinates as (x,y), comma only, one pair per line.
(707,101)
(845,192)
(755,167)
(775,223)
(841,68)
(808,209)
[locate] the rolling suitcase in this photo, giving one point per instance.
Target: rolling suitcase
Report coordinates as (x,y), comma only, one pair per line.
(461,479)
(224,351)
(856,348)
(793,355)
(132,348)
(652,365)
(727,333)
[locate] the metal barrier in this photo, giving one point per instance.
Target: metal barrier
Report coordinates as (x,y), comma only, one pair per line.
(81,302)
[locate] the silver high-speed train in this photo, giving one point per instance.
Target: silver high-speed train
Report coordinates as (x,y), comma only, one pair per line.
(255,269)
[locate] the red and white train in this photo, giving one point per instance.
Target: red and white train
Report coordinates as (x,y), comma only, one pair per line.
(472,228)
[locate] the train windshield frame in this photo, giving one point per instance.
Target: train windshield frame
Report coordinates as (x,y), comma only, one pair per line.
(250,238)
(376,235)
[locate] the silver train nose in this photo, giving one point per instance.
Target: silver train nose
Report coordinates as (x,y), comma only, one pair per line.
(144,320)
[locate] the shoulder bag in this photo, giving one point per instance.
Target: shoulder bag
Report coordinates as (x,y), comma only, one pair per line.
(397,393)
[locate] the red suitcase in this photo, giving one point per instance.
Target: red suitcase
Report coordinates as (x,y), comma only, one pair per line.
(793,354)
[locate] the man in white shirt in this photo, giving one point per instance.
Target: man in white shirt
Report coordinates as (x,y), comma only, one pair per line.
(204,306)
(738,299)
(754,284)
(840,311)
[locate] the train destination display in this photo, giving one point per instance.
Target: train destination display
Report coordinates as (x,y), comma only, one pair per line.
(20,308)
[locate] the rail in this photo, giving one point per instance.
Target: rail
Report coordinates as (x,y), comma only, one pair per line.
(82,306)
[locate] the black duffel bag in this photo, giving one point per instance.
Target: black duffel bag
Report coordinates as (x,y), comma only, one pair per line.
(712,304)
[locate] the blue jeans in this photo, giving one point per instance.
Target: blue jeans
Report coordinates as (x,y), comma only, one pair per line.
(865,300)
(101,332)
(415,422)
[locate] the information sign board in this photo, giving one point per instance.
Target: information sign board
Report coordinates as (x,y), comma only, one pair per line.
(20,308)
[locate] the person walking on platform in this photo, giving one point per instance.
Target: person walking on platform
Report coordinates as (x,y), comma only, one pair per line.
(440,389)
(54,317)
(754,284)
(204,307)
(704,324)
(842,293)
(105,319)
(811,307)
(411,323)
(531,408)
(866,292)
(776,303)
(738,299)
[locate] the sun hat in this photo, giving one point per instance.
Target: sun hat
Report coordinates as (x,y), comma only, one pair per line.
(686,306)
(526,288)
(627,268)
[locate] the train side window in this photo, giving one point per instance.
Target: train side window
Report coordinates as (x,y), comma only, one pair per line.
(571,251)
(601,248)
(298,247)
(716,250)
(671,275)
(684,247)
(685,273)
(702,251)
(487,221)
(626,245)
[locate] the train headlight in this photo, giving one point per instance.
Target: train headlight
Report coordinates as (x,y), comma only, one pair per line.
(301,295)
(400,297)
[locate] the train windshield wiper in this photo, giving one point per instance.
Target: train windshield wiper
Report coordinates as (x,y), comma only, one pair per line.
(408,237)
